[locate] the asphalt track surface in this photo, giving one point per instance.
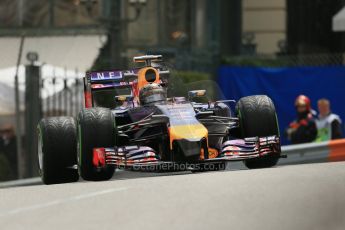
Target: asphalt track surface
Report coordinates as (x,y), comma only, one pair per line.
(309,196)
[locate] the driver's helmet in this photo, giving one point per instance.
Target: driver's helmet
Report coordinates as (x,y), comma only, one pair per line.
(152,93)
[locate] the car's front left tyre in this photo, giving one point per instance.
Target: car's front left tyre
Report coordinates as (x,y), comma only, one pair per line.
(258,118)
(96,128)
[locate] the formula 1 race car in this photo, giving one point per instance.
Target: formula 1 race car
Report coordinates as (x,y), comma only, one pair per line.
(128,122)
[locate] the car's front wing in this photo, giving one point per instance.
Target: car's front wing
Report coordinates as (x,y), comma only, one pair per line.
(242,149)
(232,150)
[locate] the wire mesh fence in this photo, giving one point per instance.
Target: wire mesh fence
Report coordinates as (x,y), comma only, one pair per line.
(61,96)
(280,60)
(39,13)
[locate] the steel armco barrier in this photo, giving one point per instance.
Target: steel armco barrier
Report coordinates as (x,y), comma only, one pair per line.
(329,151)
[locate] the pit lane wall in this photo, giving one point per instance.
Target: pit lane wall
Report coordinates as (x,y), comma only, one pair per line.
(329,151)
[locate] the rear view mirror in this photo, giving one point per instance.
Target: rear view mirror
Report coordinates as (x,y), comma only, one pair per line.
(197,93)
(123,98)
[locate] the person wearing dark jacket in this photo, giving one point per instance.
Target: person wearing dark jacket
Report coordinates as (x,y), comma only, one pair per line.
(303,129)
(328,124)
(8,149)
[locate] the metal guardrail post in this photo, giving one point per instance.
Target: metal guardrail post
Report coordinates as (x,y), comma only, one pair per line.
(18,115)
(32,117)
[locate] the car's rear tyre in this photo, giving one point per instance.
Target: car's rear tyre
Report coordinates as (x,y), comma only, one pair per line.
(258,117)
(96,128)
(57,150)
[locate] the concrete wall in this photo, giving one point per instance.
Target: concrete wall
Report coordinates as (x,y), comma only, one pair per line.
(144,30)
(267,20)
(159,19)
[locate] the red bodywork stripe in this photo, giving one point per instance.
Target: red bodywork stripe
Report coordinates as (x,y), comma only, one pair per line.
(88,100)
(98,159)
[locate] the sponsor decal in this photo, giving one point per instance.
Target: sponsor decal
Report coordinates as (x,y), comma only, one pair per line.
(232,150)
(88,99)
(106,75)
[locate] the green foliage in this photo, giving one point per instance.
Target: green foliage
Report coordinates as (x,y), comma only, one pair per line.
(192,76)
(181,82)
(326,59)
(257,61)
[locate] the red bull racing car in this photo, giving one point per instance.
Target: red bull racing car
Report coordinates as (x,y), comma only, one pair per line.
(128,122)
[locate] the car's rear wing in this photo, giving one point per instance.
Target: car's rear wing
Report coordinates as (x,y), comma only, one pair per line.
(116,79)
(116,76)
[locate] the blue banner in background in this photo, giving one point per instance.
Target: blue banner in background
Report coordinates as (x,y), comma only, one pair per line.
(283,85)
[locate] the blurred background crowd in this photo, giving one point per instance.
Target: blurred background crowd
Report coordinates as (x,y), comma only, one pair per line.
(291,50)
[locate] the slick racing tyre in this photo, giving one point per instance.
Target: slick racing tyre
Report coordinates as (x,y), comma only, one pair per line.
(258,118)
(57,150)
(96,128)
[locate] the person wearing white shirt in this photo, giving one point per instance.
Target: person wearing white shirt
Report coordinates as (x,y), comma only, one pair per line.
(328,124)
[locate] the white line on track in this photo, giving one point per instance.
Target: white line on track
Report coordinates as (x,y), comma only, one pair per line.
(60,201)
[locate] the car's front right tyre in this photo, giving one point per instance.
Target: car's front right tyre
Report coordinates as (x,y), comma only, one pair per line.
(57,150)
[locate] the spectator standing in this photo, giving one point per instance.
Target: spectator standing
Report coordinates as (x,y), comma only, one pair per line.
(5,172)
(303,129)
(328,124)
(8,148)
